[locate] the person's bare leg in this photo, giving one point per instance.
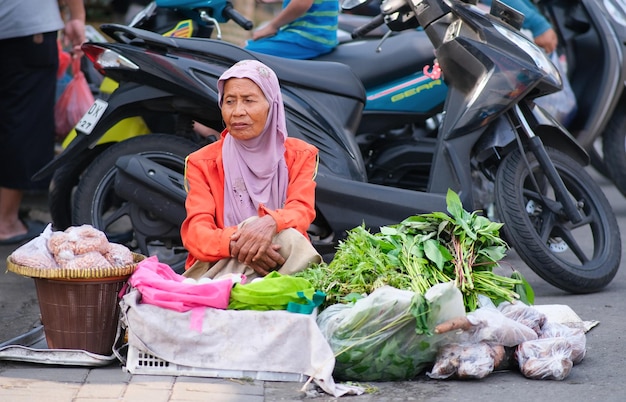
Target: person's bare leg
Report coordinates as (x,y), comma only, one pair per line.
(10,224)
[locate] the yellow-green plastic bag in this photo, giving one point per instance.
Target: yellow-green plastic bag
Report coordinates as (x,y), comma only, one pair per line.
(276,292)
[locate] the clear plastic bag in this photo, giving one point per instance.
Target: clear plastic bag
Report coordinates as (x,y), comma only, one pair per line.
(466,361)
(35,253)
(492,326)
(524,314)
(575,336)
(375,339)
(73,103)
(545,359)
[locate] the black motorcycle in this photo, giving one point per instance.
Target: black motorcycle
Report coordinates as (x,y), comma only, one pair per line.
(587,32)
(495,146)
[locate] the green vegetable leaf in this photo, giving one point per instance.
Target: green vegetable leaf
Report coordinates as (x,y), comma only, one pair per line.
(352,297)
(495,253)
(454,205)
(433,252)
(389,230)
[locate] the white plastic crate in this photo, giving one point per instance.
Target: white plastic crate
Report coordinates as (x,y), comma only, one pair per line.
(140,362)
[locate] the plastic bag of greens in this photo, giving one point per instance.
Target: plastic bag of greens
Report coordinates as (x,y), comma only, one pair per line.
(387,336)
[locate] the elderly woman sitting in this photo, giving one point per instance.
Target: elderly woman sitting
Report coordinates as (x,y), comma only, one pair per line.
(251,194)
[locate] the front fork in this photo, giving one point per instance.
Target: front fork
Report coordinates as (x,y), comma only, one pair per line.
(570,207)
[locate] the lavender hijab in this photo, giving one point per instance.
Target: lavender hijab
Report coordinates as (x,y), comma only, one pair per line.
(255,171)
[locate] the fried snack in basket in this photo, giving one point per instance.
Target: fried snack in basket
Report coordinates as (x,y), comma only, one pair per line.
(78,240)
(78,252)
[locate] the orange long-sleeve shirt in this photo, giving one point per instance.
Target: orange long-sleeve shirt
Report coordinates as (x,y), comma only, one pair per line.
(203,232)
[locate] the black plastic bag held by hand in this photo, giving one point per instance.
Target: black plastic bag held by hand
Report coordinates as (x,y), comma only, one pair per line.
(73,103)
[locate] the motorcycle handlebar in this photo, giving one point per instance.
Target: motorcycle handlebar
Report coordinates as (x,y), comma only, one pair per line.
(234,15)
(363,30)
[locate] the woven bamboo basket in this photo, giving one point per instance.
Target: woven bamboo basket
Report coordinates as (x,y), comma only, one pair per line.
(79,308)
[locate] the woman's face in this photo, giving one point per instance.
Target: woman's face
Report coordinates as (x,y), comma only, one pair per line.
(244,108)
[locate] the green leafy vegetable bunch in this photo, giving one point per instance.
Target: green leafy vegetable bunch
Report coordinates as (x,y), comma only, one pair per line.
(419,252)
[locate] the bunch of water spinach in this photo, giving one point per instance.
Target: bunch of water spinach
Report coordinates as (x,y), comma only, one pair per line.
(419,252)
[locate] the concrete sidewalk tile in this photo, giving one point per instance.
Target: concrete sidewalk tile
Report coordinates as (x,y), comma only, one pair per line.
(189,392)
(104,382)
(47,373)
(216,390)
(10,397)
(98,399)
(152,381)
(17,398)
(220,385)
(112,373)
(95,390)
(284,391)
(204,397)
(142,393)
(41,390)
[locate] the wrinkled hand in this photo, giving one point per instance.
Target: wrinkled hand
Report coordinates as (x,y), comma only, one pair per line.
(264,32)
(547,40)
(252,245)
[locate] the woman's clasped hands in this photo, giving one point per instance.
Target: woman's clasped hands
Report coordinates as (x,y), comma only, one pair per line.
(252,245)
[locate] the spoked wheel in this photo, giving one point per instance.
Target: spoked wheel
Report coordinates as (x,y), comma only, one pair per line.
(96,202)
(578,258)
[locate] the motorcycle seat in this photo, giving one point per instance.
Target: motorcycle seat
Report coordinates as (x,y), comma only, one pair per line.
(330,77)
(400,56)
(335,78)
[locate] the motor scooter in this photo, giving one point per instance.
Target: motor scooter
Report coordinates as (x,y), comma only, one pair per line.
(595,68)
(491,132)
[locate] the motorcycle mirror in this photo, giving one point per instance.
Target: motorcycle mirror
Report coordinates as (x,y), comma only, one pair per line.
(507,14)
(144,14)
(350,4)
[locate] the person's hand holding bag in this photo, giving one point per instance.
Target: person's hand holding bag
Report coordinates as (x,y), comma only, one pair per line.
(74,102)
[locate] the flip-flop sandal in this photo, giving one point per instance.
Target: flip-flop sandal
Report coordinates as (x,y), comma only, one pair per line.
(34,229)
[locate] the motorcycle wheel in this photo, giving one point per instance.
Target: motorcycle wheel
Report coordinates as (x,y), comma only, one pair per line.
(62,187)
(614,148)
(96,203)
(598,162)
(578,258)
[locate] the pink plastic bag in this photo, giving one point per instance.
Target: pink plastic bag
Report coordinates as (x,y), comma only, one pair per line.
(64,60)
(73,103)
(159,285)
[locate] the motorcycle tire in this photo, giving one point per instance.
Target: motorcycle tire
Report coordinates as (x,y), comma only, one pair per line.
(62,185)
(96,203)
(577,258)
(598,163)
(614,148)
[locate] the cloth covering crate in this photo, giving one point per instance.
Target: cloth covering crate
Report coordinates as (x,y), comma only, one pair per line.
(267,345)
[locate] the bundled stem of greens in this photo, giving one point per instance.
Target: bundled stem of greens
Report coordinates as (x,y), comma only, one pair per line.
(419,252)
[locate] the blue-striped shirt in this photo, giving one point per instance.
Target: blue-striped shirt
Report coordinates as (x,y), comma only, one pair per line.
(317,28)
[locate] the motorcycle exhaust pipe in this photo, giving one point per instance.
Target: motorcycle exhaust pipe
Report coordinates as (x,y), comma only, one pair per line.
(153,187)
